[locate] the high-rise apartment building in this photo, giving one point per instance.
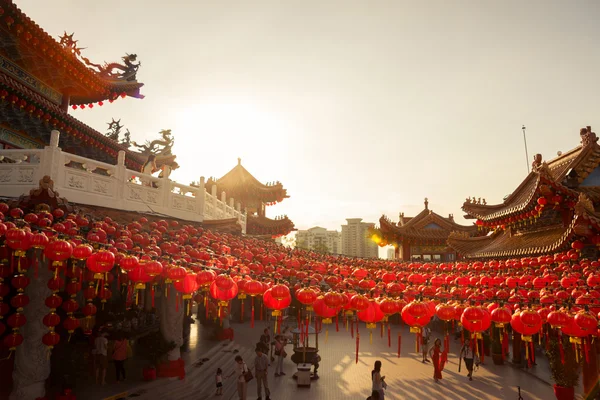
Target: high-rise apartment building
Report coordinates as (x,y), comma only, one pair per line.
(356,241)
(320,239)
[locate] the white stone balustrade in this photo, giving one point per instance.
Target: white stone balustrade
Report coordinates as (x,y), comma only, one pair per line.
(86,181)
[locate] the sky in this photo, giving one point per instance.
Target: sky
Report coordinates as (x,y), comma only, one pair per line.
(360,108)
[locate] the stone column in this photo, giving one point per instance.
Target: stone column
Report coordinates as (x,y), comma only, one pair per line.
(32,364)
(171,321)
(200,198)
(51,158)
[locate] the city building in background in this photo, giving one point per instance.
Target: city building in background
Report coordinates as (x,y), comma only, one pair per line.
(356,240)
(391,253)
(320,239)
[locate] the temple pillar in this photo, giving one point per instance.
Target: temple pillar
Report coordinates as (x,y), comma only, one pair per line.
(66,100)
(32,364)
(590,369)
(516,348)
(171,321)
(405,251)
(171,328)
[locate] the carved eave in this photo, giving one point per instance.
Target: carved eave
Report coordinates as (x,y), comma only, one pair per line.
(257,225)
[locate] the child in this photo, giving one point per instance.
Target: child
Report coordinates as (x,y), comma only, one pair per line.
(219,381)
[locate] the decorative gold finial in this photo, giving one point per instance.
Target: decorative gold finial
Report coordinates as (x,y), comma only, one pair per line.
(426,203)
(239,161)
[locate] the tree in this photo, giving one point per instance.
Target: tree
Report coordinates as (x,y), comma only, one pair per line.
(289,241)
(321,247)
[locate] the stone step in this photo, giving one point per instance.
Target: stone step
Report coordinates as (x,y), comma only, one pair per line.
(199,382)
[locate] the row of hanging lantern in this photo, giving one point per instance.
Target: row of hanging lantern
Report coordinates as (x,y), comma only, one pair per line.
(529,280)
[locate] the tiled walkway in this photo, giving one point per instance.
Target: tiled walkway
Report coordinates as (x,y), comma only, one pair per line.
(342,378)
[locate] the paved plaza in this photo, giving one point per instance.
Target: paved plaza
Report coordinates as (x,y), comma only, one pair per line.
(340,376)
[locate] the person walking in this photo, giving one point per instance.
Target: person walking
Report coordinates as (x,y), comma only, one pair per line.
(280,353)
(425,341)
(240,369)
(466,353)
(119,355)
(261,366)
(101,345)
(435,353)
(378,380)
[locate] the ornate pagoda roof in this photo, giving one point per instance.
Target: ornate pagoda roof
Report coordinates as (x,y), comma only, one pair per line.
(566,172)
(45,116)
(547,239)
(59,64)
(258,225)
(425,225)
(245,188)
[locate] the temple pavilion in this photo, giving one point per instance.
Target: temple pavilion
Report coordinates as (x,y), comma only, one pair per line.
(254,197)
(422,237)
(555,206)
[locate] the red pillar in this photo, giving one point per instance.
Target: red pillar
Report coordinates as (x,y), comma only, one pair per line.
(590,369)
(516,345)
(405,251)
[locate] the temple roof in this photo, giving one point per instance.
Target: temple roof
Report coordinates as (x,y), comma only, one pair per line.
(548,239)
(425,225)
(74,133)
(27,45)
(242,186)
(258,225)
(566,172)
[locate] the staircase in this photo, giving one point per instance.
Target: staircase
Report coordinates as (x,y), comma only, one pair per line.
(199,382)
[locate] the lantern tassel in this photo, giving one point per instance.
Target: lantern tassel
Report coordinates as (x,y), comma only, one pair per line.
(389,336)
(326,334)
(532,352)
(357,345)
(352,328)
(337,328)
(242,313)
(346,322)
(371,336)
(399,344)
(252,314)
(151,294)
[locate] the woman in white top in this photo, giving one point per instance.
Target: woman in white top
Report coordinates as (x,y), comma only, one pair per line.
(240,369)
(467,354)
(100,347)
(378,380)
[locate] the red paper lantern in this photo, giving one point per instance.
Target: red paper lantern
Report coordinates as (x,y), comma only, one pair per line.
(51,339)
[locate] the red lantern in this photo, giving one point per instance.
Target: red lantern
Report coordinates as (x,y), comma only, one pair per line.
(51,339)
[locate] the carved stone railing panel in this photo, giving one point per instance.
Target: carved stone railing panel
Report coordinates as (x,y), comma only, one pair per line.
(86,181)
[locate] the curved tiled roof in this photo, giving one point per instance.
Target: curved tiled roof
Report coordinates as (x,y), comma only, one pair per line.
(416,227)
(505,243)
(50,55)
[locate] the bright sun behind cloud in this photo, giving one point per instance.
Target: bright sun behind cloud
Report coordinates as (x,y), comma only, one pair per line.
(211,136)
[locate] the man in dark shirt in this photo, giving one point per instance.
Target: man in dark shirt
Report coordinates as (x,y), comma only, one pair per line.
(265,341)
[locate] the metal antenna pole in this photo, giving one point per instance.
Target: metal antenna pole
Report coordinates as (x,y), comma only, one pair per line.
(526,153)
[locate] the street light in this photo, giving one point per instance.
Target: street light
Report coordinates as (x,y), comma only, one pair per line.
(526,153)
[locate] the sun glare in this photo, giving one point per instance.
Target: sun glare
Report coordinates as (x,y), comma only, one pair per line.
(211,136)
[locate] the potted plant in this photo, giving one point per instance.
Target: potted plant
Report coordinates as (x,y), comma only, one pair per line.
(564,373)
(155,349)
(496,347)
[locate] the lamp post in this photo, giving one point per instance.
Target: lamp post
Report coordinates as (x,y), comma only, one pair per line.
(526,153)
